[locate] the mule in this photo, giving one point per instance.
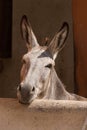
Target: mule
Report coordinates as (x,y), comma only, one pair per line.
(38,76)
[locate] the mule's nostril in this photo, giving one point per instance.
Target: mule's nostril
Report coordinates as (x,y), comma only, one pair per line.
(33,89)
(20,87)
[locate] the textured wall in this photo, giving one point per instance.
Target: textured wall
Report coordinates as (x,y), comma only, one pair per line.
(43,115)
(46,17)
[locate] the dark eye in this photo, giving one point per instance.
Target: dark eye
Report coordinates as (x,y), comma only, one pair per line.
(49,66)
(23,61)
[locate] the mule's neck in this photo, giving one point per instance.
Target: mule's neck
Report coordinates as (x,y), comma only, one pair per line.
(56,89)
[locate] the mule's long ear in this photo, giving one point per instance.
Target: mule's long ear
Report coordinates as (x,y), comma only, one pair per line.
(58,41)
(27,33)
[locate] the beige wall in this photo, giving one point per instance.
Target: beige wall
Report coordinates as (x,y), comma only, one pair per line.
(46,17)
(43,115)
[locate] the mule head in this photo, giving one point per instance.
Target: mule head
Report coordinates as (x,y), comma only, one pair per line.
(38,62)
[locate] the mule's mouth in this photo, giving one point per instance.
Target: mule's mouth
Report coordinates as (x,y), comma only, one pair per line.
(22,101)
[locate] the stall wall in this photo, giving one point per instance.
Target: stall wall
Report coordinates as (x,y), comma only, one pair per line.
(80,36)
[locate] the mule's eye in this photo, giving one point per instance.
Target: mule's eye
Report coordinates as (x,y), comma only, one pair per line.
(49,66)
(23,61)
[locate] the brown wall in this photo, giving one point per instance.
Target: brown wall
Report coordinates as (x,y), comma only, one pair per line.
(46,17)
(80,36)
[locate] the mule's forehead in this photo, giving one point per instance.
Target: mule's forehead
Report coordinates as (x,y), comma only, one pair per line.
(40,56)
(39,52)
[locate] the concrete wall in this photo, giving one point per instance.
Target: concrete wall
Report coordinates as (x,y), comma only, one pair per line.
(46,17)
(43,115)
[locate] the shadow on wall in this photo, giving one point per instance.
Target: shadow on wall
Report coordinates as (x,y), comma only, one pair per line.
(46,17)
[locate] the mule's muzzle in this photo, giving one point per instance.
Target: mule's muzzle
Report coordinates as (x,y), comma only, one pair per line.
(24,94)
